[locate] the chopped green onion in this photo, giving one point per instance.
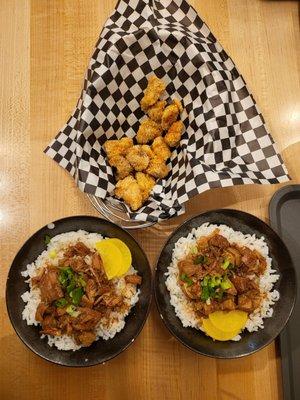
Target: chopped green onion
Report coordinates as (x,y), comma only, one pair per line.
(186,279)
(47,239)
(200,260)
(66,275)
(215,281)
(225,264)
(71,286)
(71,310)
(76,295)
(226,284)
(213,287)
(60,303)
(205,293)
(219,294)
(80,280)
(205,281)
(194,250)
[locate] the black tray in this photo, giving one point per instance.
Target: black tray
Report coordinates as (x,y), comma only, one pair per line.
(284,211)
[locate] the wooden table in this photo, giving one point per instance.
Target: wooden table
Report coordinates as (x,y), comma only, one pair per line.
(45,47)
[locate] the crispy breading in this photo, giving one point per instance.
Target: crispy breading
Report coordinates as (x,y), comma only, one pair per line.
(117,147)
(152,93)
(138,158)
(155,112)
(148,131)
(129,190)
(157,168)
(122,166)
(160,148)
(169,116)
(147,149)
(178,104)
(173,135)
(146,184)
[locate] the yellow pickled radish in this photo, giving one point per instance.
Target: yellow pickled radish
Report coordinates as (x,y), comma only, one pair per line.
(229,321)
(216,333)
(124,249)
(112,258)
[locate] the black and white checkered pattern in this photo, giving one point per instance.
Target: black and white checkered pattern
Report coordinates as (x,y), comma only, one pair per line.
(226,141)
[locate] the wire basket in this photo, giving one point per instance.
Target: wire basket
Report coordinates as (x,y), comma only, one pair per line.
(115,212)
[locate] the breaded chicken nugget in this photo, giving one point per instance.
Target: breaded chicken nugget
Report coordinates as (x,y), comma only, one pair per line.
(169,116)
(122,166)
(173,135)
(117,147)
(155,112)
(154,89)
(129,190)
(147,149)
(148,131)
(160,148)
(138,158)
(157,168)
(178,104)
(146,184)
(171,113)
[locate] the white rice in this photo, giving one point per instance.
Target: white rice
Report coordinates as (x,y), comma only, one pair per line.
(183,246)
(32,298)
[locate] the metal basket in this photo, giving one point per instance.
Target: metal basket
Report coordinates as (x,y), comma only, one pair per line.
(116,213)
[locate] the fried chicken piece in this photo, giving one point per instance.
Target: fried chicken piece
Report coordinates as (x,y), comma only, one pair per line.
(129,190)
(146,184)
(157,168)
(148,131)
(152,93)
(160,148)
(147,149)
(117,147)
(122,166)
(178,104)
(155,112)
(138,158)
(170,115)
(173,135)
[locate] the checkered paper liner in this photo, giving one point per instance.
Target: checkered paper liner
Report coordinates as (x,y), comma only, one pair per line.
(225,141)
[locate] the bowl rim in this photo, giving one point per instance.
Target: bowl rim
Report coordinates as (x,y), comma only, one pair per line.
(168,326)
(92,364)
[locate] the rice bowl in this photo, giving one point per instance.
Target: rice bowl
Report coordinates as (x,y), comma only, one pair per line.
(250,342)
(106,328)
(183,246)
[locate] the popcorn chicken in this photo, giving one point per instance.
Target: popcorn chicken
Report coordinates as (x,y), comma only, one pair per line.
(148,131)
(173,135)
(152,93)
(160,148)
(122,166)
(178,104)
(155,112)
(157,168)
(170,114)
(147,149)
(117,147)
(129,190)
(139,166)
(146,184)
(138,158)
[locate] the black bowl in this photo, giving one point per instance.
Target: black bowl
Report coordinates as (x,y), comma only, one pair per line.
(250,342)
(101,350)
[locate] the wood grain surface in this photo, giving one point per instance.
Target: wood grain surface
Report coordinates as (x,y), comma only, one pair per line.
(45,47)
